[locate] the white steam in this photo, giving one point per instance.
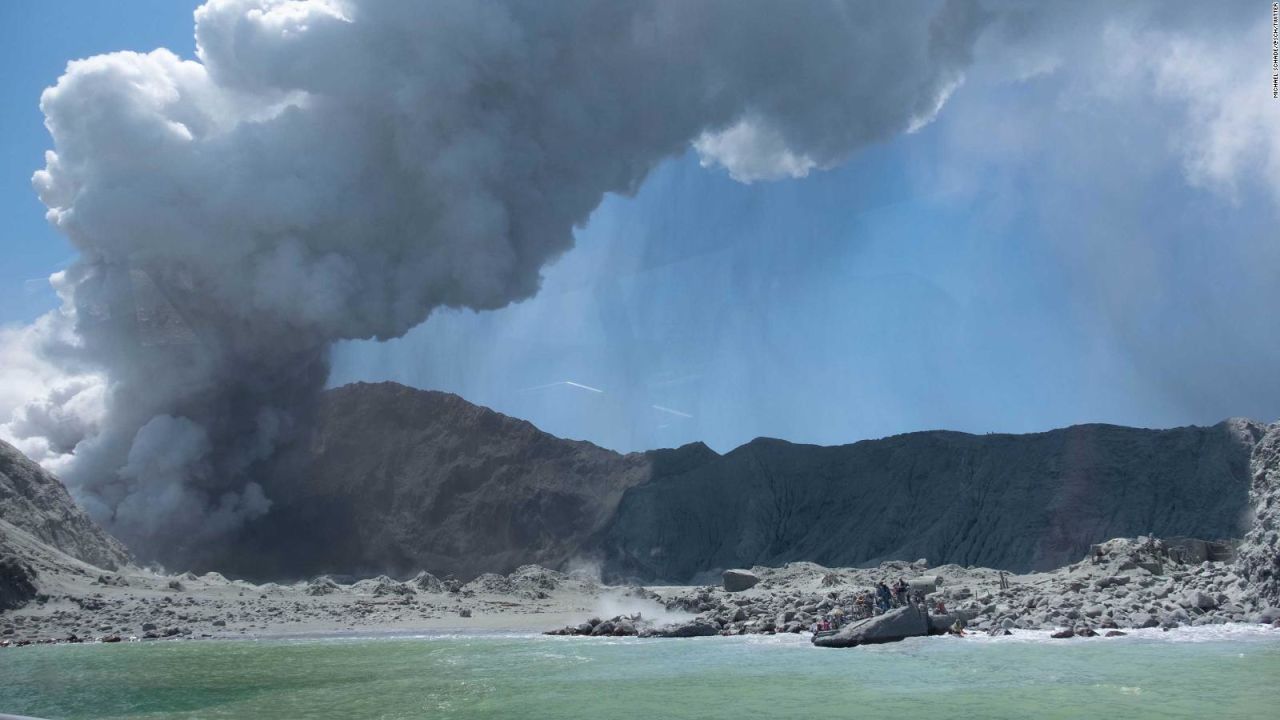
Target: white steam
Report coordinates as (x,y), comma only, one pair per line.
(330,170)
(618,603)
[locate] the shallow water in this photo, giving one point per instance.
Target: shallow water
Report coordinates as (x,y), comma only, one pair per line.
(1196,672)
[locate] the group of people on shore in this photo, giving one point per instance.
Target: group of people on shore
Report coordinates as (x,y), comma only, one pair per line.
(879,600)
(885,597)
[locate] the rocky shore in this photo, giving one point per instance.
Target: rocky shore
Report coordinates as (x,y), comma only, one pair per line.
(1127,583)
(138,604)
(50,591)
(1124,583)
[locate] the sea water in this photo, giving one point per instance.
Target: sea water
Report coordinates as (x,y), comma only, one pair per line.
(1217,672)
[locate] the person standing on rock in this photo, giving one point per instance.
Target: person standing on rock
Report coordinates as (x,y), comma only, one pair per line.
(883,597)
(900,592)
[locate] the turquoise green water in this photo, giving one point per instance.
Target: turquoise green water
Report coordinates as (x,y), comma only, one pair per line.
(1199,675)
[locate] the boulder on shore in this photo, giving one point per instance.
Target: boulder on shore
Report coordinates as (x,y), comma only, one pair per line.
(898,624)
(1200,600)
(940,624)
(738,580)
(925,584)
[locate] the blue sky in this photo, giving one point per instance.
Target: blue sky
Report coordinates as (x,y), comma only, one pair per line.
(1063,244)
(37,39)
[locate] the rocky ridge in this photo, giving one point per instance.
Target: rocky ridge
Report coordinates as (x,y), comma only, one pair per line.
(1017,502)
(1259,552)
(397,479)
(34,501)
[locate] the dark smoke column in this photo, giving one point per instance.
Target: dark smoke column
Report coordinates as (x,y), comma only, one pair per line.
(330,170)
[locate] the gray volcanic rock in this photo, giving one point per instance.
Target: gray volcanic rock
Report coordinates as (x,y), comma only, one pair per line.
(17,582)
(939,624)
(33,500)
(398,480)
(322,585)
(897,624)
(738,580)
(428,583)
(1019,502)
(490,583)
(693,628)
(1258,556)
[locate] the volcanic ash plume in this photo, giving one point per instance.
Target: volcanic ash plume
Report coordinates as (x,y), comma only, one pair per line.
(329,170)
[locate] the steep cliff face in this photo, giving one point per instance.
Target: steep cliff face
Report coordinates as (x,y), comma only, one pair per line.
(1020,502)
(1259,554)
(36,502)
(398,479)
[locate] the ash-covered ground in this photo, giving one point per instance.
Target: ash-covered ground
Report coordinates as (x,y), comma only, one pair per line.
(1135,583)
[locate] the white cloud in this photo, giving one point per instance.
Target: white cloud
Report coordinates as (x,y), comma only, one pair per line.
(326,171)
(1231,131)
(751,152)
(49,401)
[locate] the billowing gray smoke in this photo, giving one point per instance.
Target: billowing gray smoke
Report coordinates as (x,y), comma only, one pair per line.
(329,170)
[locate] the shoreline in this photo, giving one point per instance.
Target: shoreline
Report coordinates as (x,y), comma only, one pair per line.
(1226,632)
(1128,586)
